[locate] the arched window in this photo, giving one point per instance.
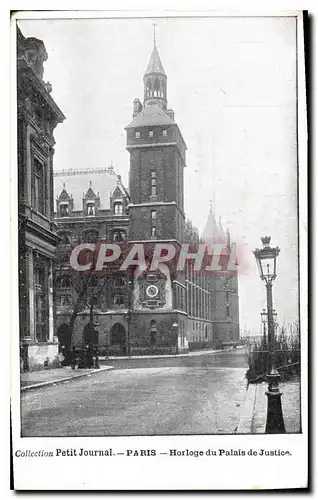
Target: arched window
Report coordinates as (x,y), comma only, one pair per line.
(118,235)
(118,208)
(65,238)
(90,236)
(65,282)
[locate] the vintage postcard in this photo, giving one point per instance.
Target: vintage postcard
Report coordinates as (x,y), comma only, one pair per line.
(159,329)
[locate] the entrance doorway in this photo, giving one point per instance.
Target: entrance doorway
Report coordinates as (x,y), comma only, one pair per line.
(64,335)
(118,337)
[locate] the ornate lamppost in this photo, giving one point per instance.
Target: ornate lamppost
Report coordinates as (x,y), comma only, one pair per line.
(266,261)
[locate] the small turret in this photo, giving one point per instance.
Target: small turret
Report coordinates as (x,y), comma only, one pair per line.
(155,81)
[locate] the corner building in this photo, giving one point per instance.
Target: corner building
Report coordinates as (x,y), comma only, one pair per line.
(38,115)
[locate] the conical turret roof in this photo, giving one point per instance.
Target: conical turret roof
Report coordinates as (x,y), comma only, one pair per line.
(155,64)
(212,232)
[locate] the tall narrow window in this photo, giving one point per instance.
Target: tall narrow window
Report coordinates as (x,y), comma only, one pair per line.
(41,303)
(153,182)
(90,208)
(164,133)
(39,186)
(153,332)
(153,231)
(137,135)
(150,133)
(119,290)
(118,208)
(64,209)
(153,215)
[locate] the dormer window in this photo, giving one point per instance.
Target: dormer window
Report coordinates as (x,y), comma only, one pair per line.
(118,208)
(64,209)
(137,135)
(164,133)
(150,133)
(90,208)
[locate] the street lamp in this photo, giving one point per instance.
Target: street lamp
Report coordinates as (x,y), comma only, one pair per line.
(264,321)
(266,261)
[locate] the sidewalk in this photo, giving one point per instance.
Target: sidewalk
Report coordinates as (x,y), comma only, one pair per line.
(41,378)
(253,415)
(180,355)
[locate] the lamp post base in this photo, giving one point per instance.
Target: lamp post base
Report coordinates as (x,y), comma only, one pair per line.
(275,420)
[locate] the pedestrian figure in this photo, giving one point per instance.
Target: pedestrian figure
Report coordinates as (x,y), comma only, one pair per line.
(96,366)
(81,361)
(73,358)
(90,361)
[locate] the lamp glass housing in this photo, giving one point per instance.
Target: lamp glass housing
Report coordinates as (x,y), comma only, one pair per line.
(264,316)
(266,260)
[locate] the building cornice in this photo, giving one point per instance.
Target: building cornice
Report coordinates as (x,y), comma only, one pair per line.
(153,145)
(40,86)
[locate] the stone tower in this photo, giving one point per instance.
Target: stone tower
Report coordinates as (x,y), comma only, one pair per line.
(156,210)
(157,161)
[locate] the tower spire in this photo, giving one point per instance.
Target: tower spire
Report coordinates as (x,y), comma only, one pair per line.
(154,33)
(155,78)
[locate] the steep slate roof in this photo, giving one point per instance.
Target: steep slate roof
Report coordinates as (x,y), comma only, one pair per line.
(155,64)
(222,233)
(151,115)
(102,181)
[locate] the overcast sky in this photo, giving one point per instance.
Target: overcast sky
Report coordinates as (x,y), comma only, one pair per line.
(232,84)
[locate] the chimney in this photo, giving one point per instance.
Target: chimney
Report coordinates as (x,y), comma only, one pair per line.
(137,107)
(170,113)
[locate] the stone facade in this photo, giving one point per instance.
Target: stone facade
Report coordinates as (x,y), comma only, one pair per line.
(38,116)
(136,311)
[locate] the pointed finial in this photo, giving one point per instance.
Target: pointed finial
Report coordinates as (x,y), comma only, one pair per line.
(90,183)
(228,237)
(211,206)
(154,32)
(63,185)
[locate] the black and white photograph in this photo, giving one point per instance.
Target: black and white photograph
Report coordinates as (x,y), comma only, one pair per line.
(160,177)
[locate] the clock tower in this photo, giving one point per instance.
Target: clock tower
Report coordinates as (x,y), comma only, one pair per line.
(156,182)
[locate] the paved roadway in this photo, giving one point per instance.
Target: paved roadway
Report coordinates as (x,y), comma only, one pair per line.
(191,395)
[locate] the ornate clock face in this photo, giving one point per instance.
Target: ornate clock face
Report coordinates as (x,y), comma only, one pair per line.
(152,291)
